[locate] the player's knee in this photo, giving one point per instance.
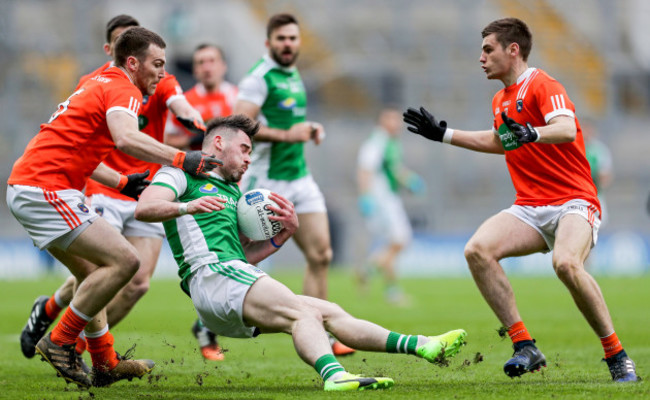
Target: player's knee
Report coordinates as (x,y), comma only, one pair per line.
(320,258)
(136,289)
(128,265)
(307,313)
(567,267)
(475,253)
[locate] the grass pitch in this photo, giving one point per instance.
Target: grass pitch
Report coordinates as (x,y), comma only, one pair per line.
(268,368)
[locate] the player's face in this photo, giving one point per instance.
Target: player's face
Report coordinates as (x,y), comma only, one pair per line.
(495,60)
(236,157)
(391,121)
(150,70)
(284,44)
(209,67)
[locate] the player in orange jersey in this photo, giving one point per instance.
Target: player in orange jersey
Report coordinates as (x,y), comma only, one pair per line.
(212,96)
(44,194)
(117,208)
(556,207)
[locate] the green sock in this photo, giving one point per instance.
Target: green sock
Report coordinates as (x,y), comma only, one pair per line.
(327,366)
(398,343)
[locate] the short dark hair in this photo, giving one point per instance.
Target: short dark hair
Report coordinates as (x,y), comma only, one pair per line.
(119,21)
(511,30)
(233,123)
(211,46)
(279,20)
(135,42)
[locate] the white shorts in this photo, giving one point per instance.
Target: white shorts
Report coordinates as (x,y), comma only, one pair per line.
(121,215)
(303,193)
(51,218)
(218,292)
(545,219)
(390,221)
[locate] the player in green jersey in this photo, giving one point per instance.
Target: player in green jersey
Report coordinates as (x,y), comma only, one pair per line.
(274,94)
(380,175)
(234,298)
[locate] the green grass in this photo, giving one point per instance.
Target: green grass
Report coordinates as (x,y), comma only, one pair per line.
(267,367)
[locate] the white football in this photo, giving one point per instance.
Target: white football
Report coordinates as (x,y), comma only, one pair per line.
(253,215)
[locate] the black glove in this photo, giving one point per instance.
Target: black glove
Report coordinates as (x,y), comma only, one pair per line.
(196,163)
(525,134)
(136,184)
(425,124)
(193,125)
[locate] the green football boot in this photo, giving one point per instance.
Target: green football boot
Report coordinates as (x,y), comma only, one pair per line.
(356,382)
(442,346)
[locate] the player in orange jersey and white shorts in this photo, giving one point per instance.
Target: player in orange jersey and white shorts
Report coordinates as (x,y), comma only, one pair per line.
(556,206)
(44,194)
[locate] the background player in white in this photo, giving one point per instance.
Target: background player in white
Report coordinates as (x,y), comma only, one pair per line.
(233,297)
(380,175)
(274,94)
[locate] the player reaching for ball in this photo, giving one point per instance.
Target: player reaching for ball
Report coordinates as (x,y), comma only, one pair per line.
(556,207)
(234,298)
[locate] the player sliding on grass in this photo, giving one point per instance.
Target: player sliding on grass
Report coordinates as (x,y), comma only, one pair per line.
(234,298)
(556,206)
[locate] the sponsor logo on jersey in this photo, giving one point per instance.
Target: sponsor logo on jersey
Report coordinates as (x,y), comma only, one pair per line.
(254,197)
(83,208)
(101,79)
(142,122)
(287,104)
(506,103)
(99,211)
(520,105)
(208,188)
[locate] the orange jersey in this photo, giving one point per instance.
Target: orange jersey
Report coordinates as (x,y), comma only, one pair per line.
(152,119)
(76,139)
(542,174)
(210,105)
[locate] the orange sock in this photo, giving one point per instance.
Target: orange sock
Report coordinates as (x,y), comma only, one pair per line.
(102,352)
(81,345)
(611,345)
(67,330)
(52,309)
(519,333)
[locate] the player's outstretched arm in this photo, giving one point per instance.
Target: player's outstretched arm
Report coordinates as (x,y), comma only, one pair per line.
(124,130)
(157,204)
(425,124)
(129,185)
(285,213)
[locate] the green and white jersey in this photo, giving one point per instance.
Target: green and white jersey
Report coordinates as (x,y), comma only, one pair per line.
(281,96)
(201,239)
(382,155)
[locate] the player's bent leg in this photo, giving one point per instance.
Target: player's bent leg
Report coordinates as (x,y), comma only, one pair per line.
(502,235)
(272,307)
(148,249)
(572,245)
(364,335)
(117,259)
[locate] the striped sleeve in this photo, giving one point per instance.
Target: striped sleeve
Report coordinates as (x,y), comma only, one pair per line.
(171,178)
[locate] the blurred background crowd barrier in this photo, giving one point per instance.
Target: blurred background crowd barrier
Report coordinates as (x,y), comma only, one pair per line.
(356,56)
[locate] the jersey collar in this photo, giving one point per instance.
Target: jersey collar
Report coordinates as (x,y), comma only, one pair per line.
(524,75)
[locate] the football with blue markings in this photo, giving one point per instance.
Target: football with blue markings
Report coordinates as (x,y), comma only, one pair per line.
(253,215)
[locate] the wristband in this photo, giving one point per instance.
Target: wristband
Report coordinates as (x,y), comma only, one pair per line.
(179,159)
(446,137)
(275,244)
(123,181)
(538,135)
(182,209)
